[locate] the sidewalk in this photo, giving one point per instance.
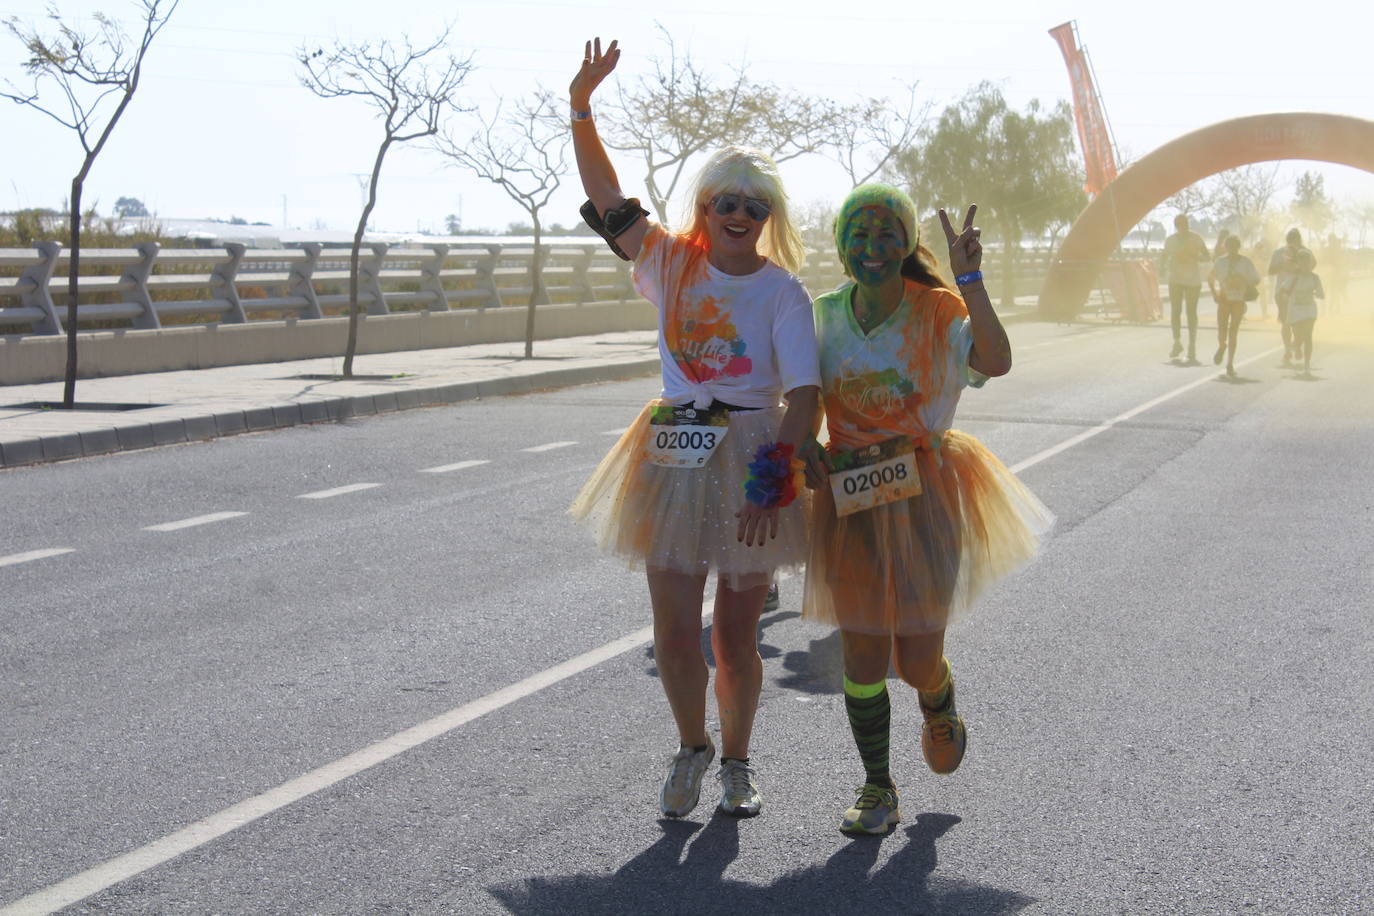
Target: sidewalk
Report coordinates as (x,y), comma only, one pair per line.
(163,408)
(200,404)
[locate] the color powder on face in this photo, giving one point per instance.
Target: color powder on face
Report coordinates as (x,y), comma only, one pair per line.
(873,245)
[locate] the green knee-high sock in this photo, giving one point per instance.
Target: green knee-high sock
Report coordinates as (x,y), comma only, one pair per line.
(870,718)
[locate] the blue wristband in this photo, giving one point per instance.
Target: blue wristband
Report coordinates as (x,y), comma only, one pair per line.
(972,276)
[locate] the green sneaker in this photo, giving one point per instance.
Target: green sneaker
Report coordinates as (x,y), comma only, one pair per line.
(682,785)
(943,738)
(873,813)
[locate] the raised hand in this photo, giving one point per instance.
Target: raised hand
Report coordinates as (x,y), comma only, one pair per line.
(965,248)
(596,66)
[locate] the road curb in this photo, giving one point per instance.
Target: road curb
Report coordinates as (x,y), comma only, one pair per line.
(65,446)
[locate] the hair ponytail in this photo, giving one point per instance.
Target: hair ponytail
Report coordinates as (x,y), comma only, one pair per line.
(920,266)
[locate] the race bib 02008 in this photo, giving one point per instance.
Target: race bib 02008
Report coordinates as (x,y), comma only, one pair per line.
(874,475)
(684,437)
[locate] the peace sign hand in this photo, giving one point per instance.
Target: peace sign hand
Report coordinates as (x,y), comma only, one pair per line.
(596,66)
(965,248)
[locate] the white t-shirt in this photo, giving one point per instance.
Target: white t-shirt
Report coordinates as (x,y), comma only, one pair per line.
(1305,291)
(744,340)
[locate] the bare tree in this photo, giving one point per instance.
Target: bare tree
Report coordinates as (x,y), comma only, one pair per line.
(679,111)
(867,137)
(412,99)
(1197,200)
(83,69)
(1244,194)
(525,153)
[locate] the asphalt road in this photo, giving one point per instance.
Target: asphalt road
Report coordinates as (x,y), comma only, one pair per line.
(1168,711)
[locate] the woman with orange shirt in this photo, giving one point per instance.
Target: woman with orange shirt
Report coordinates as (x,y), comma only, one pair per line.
(911,519)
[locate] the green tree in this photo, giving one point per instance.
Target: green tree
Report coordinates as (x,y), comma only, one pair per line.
(127,207)
(1311,206)
(74,72)
(1019,167)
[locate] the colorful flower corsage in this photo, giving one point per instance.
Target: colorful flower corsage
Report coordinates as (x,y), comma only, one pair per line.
(775,476)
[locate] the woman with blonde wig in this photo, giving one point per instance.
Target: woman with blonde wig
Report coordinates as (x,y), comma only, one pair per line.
(706,478)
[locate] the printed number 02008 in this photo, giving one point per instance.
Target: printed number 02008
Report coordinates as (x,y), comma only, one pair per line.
(873,479)
(694,439)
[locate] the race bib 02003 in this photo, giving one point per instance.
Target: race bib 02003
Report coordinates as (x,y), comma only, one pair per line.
(874,475)
(684,437)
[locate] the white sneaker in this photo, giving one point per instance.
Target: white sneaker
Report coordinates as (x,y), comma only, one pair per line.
(682,785)
(739,795)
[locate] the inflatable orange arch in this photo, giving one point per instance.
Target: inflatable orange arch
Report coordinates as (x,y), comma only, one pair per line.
(1102,225)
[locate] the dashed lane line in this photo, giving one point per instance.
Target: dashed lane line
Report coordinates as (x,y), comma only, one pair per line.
(614,432)
(338,491)
(456,466)
(29,556)
(547,446)
(193,522)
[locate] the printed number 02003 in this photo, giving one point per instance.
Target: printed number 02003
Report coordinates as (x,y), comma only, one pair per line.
(872,480)
(694,439)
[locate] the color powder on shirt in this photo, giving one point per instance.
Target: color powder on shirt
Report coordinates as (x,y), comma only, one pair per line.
(881,397)
(709,345)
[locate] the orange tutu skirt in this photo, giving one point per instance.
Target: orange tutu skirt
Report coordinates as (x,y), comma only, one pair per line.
(906,567)
(683,519)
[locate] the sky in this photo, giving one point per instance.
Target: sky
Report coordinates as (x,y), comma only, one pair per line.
(221,126)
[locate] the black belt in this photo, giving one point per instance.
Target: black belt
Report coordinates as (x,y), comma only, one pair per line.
(721,405)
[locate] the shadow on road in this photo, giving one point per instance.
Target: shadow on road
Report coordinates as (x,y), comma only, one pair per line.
(662,880)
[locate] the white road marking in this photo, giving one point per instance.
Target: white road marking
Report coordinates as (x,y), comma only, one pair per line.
(193,522)
(547,447)
(29,556)
(614,432)
(1123,417)
(445,468)
(122,868)
(103,876)
(338,491)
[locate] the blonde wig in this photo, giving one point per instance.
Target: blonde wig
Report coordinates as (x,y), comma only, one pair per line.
(738,170)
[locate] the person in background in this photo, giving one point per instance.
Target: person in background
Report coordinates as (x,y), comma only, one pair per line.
(1232,277)
(1283,267)
(1302,308)
(1181,264)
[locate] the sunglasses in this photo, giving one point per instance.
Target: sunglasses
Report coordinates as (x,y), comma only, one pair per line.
(755,208)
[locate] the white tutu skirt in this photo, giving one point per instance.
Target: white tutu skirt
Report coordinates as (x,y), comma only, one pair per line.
(683,519)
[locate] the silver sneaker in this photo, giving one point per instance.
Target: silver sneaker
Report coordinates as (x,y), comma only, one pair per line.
(682,786)
(739,795)
(873,813)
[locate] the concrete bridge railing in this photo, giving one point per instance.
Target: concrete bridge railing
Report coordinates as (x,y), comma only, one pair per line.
(149,287)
